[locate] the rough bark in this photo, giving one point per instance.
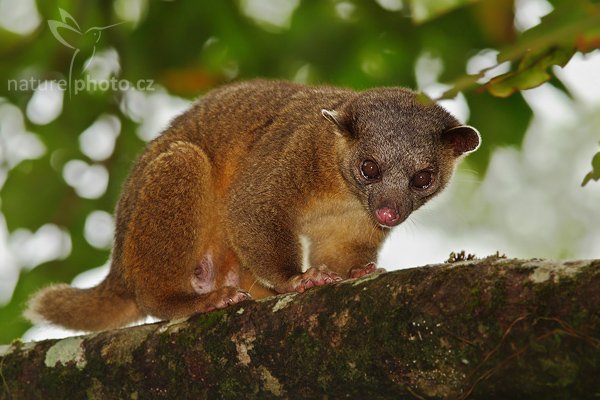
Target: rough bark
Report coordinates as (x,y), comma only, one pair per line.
(477,329)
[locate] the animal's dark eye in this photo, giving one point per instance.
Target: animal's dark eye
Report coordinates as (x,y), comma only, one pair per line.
(422,179)
(370,170)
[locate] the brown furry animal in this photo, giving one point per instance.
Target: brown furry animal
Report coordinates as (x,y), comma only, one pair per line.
(215,207)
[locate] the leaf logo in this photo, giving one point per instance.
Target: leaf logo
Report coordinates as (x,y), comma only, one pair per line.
(69,26)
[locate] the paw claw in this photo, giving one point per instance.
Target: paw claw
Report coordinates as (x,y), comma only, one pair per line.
(230,296)
(313,277)
(358,272)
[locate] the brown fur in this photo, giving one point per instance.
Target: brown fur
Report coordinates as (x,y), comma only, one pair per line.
(217,203)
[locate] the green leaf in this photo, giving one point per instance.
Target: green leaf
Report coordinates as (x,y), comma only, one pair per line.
(595,172)
(570,23)
(572,26)
(532,72)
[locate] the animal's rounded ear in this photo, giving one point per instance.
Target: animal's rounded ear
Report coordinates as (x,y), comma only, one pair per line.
(463,139)
(343,128)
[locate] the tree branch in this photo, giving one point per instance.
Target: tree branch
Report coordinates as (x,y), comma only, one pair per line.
(491,328)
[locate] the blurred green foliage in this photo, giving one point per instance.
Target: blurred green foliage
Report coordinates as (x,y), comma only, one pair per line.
(188,47)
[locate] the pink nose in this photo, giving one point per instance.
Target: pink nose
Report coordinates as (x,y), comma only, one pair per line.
(387,216)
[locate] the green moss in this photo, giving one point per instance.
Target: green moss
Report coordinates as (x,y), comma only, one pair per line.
(212,319)
(55,380)
(498,294)
(95,391)
(563,371)
(474,301)
(17,344)
(304,347)
(231,387)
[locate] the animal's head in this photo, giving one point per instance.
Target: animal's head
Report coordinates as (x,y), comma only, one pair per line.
(397,150)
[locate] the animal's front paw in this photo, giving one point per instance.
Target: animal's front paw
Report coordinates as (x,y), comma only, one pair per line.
(227,296)
(358,272)
(314,276)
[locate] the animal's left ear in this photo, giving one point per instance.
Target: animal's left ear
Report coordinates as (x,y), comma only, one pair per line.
(339,120)
(462,139)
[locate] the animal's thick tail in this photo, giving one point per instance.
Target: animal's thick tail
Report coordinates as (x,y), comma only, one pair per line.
(94,309)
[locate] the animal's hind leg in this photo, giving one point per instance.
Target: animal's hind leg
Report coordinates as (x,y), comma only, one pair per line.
(166,260)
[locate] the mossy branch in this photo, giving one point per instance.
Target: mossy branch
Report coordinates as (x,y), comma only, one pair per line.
(477,329)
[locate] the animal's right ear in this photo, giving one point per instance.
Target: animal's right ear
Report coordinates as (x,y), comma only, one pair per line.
(342,127)
(463,139)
